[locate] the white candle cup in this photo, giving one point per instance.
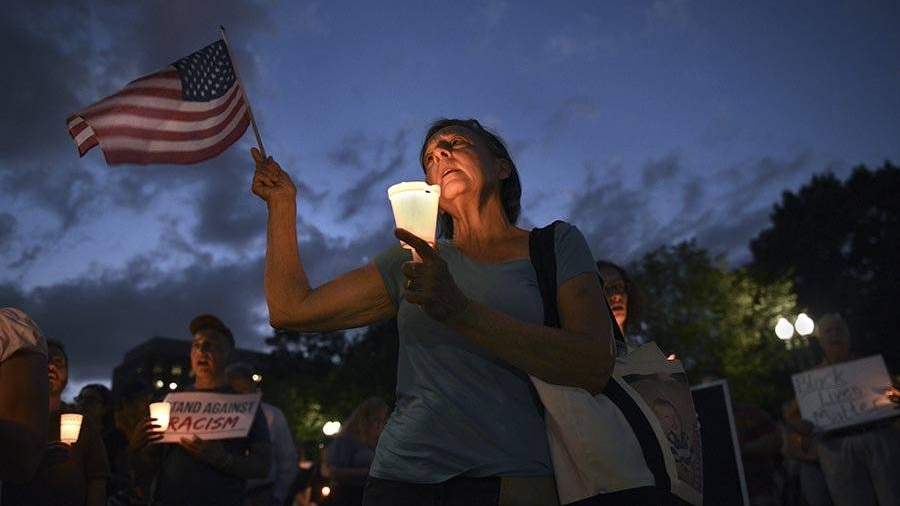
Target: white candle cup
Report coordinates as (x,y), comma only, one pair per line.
(415,206)
(69,427)
(160,411)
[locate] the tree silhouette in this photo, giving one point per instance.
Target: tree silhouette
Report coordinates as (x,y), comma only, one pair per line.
(840,243)
(716,320)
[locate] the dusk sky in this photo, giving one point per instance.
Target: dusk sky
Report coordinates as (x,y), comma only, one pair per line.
(643,123)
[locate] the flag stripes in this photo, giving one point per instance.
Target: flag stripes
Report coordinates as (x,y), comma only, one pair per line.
(152,120)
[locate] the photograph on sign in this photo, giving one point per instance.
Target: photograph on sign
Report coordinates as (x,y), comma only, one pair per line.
(663,388)
(845,394)
(209,415)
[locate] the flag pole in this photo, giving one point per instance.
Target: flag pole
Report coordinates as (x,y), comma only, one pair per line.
(259,142)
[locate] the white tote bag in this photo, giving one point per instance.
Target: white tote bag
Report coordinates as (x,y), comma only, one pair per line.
(599,444)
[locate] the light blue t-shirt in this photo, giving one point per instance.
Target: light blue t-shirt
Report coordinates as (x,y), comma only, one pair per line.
(461,410)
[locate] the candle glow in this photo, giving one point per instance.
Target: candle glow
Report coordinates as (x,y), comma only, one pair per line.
(415,206)
(160,411)
(69,427)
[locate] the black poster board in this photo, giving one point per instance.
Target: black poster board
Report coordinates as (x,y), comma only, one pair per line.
(723,473)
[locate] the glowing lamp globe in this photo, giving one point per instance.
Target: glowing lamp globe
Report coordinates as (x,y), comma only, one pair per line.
(804,325)
(783,329)
(331,428)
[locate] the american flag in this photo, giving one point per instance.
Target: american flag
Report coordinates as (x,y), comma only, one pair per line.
(186,113)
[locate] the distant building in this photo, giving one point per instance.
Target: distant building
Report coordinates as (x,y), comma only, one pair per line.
(165,364)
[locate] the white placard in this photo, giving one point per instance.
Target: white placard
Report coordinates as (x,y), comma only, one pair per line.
(210,415)
(845,394)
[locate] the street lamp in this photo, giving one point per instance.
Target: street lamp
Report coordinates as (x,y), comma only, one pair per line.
(783,329)
(331,428)
(804,324)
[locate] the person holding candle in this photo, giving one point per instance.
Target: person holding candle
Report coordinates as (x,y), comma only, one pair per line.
(69,474)
(272,490)
(350,454)
(23,388)
(467,427)
(95,401)
(197,471)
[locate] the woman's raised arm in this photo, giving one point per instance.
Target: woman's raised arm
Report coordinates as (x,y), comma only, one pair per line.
(354,299)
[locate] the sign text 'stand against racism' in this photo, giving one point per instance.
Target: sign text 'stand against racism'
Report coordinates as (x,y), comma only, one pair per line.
(210,415)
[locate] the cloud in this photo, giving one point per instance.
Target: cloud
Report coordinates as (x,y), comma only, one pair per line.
(102,314)
(66,190)
(41,77)
(573,110)
(723,211)
(71,54)
(374,160)
(227,214)
(8,224)
(656,172)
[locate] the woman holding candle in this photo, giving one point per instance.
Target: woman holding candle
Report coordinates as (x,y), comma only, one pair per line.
(74,469)
(467,426)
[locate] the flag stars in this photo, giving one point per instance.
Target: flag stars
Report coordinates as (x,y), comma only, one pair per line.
(206,74)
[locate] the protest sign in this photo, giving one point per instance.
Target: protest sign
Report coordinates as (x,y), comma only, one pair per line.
(723,469)
(209,415)
(846,394)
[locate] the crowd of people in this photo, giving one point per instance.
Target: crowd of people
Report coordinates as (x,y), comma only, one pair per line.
(465,429)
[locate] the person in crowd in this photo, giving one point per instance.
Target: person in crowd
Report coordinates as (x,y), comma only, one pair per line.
(68,475)
(197,471)
(273,490)
(23,389)
(466,423)
(95,401)
(300,493)
(860,463)
(131,407)
(760,442)
(801,462)
(350,455)
(622,298)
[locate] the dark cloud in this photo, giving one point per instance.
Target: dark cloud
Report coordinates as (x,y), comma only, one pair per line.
(62,56)
(656,172)
(572,110)
(227,214)
(349,152)
(101,315)
(305,193)
(29,255)
(612,216)
(46,48)
(65,189)
(376,159)
(622,221)
(8,224)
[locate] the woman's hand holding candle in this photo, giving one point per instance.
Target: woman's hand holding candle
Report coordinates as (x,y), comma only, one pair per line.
(146,432)
(429,282)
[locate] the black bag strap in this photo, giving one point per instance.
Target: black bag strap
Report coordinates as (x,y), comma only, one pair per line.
(542,248)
